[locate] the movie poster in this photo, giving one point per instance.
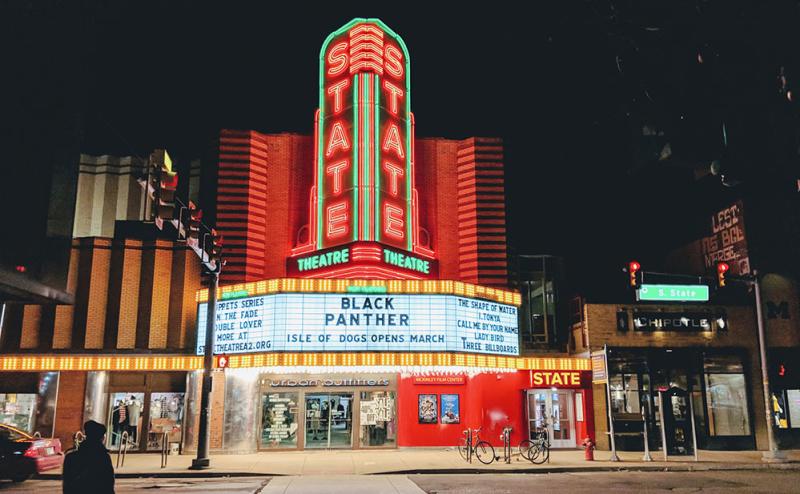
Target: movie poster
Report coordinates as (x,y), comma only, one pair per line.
(450,409)
(427,409)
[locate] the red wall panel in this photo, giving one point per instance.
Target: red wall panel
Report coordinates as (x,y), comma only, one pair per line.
(490,401)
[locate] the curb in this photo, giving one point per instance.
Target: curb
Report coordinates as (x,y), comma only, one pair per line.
(680,467)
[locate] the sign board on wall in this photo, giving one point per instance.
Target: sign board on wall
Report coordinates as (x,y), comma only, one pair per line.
(727,241)
(439,380)
(599,374)
(301,322)
(677,321)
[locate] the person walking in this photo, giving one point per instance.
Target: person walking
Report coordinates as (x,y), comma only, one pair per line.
(88,468)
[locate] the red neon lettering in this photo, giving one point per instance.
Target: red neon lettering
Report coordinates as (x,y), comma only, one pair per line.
(393,221)
(394,92)
(392,140)
(338,139)
(395,172)
(337,59)
(394,61)
(337,219)
(337,169)
(336,91)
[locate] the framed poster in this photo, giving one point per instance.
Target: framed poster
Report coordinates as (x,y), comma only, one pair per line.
(450,409)
(427,409)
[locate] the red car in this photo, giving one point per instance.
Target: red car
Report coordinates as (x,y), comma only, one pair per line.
(22,455)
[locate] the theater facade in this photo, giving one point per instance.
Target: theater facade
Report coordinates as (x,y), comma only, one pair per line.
(364,303)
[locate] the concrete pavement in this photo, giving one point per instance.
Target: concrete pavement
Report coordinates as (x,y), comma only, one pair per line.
(425,460)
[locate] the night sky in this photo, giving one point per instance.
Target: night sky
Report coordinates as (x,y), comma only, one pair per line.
(569,85)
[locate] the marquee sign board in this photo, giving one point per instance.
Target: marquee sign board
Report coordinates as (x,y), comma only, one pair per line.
(304,322)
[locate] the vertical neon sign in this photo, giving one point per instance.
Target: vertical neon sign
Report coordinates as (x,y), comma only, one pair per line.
(364,175)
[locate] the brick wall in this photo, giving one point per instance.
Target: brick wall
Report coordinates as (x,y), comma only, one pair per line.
(69,406)
(130,294)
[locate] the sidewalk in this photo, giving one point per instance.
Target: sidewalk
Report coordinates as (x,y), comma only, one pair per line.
(427,460)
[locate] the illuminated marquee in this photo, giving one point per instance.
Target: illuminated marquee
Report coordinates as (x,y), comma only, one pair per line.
(364,175)
(312,322)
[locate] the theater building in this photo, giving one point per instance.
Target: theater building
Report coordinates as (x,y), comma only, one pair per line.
(365,302)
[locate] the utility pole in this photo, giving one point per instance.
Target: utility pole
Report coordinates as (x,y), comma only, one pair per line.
(204,437)
(773,455)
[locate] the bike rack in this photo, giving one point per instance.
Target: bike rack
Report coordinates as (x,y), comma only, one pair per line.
(123,448)
(164,449)
(506,436)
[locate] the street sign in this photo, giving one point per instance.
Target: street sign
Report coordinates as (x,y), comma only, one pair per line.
(673,293)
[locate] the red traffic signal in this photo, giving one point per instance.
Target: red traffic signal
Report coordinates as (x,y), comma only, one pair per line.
(216,244)
(195,219)
(722,268)
(633,270)
(165,205)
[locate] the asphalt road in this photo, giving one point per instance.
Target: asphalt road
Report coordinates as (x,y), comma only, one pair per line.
(767,482)
(241,485)
(772,482)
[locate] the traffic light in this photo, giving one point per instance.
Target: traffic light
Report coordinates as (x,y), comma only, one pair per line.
(722,268)
(165,206)
(633,273)
(163,182)
(216,245)
(195,220)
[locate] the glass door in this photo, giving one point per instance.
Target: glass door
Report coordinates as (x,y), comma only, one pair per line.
(553,410)
(329,420)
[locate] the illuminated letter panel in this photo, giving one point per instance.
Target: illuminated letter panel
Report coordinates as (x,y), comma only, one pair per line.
(364,150)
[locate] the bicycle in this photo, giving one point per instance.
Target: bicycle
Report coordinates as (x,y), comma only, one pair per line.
(469,446)
(537,449)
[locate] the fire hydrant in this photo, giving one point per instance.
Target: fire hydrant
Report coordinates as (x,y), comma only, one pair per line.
(588,449)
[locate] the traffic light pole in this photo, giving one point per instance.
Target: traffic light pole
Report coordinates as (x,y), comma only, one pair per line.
(773,454)
(204,436)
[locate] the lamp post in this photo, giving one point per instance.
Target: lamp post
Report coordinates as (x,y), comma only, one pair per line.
(773,454)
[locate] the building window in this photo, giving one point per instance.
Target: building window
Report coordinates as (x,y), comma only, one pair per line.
(279,420)
(793,404)
(726,397)
(625,394)
(378,419)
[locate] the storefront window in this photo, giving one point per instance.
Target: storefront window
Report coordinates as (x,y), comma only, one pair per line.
(625,393)
(727,405)
(279,420)
(18,410)
(125,416)
(378,419)
(793,404)
(166,417)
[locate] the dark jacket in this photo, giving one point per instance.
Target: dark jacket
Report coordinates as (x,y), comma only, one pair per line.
(88,469)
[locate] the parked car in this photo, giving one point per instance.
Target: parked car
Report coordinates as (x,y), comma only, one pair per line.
(22,455)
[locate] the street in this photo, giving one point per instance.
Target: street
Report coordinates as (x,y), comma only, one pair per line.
(743,481)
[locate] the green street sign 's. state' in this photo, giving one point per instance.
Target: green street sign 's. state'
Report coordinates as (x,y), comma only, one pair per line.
(673,293)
